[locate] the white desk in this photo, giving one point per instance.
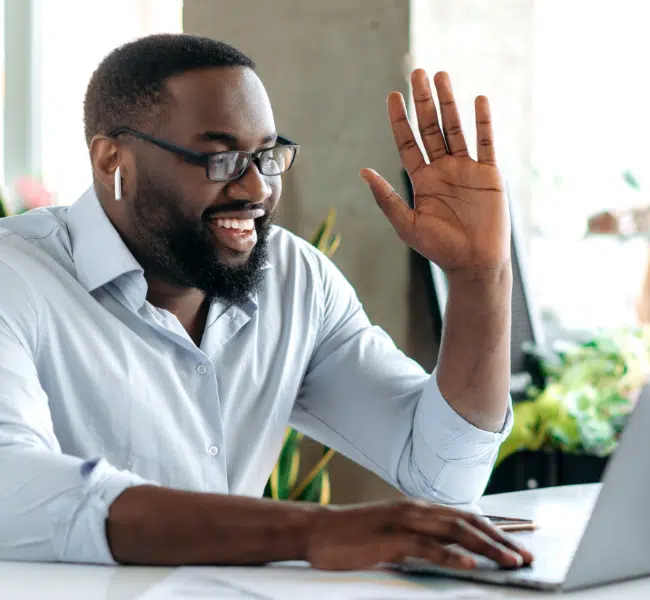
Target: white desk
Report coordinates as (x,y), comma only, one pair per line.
(553,508)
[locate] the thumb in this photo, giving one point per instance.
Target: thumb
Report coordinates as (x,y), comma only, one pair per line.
(391,204)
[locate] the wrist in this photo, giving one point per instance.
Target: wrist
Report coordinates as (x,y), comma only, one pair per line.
(304,526)
(481,278)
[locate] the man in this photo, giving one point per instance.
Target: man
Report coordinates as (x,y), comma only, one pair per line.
(158,335)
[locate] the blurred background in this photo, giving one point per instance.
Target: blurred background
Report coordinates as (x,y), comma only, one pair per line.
(569,103)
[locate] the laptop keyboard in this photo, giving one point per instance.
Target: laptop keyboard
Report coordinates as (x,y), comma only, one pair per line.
(548,548)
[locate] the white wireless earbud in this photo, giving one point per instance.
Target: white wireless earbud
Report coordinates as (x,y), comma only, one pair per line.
(118,184)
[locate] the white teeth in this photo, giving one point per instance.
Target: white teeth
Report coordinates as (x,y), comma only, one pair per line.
(243,224)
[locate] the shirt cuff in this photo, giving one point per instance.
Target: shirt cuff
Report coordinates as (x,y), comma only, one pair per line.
(80,522)
(447,435)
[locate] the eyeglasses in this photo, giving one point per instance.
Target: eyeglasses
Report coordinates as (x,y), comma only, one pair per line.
(229,165)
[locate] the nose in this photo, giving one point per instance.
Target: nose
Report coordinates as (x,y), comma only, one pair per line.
(250,186)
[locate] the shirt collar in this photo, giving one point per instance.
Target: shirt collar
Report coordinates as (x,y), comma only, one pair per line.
(101,256)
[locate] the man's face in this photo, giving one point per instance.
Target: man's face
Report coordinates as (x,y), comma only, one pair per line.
(182,220)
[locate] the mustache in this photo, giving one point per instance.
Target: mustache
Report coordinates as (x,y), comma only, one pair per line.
(232,207)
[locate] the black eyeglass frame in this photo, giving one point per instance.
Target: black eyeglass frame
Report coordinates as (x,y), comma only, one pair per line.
(203,159)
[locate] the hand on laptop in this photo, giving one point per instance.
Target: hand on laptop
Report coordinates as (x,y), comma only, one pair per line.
(360,537)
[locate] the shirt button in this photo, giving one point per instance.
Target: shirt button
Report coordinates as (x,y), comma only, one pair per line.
(201,369)
(213,450)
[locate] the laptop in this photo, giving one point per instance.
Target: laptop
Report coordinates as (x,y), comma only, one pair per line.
(612,545)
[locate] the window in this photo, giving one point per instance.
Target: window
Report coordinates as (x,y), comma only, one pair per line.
(567,86)
(590,125)
(68,40)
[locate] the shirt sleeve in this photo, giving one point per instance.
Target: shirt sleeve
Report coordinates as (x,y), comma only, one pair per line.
(366,399)
(53,506)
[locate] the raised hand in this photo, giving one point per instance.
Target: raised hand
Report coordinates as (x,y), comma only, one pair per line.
(460,218)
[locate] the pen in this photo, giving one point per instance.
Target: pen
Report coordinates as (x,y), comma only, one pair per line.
(512,524)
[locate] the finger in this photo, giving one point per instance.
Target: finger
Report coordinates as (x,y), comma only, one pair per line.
(482,524)
(424,547)
(451,125)
(496,534)
(427,114)
(424,517)
(469,530)
(484,136)
(392,205)
(459,531)
(408,148)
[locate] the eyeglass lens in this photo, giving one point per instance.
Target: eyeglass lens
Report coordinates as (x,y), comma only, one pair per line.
(227,165)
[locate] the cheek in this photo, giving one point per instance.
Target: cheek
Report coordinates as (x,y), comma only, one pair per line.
(202,196)
(276,191)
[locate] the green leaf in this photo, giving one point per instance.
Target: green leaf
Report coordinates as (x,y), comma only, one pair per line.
(525,430)
(312,493)
(288,463)
(631,180)
(323,238)
(586,399)
(318,235)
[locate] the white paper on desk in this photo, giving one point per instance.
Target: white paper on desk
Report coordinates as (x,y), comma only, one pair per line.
(296,582)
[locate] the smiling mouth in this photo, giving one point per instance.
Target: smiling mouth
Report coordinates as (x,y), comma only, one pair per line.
(254,213)
(236,233)
(241,225)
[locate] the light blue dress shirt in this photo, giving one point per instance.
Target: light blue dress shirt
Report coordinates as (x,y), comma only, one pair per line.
(100,390)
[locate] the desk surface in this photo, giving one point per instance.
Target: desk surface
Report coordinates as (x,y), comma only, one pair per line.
(553,508)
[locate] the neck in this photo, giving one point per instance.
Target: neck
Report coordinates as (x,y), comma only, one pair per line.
(190,306)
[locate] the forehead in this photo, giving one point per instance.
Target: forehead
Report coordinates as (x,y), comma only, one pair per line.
(225,99)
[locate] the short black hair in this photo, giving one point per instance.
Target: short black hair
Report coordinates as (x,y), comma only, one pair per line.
(128,86)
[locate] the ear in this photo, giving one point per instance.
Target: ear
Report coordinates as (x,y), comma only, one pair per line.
(106,156)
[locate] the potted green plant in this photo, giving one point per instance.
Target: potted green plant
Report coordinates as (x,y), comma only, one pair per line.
(283,483)
(565,429)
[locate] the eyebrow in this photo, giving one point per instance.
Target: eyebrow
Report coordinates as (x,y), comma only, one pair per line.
(229,138)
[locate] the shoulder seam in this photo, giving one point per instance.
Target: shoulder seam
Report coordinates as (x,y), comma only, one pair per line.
(57,223)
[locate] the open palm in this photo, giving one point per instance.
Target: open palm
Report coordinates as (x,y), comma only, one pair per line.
(460,217)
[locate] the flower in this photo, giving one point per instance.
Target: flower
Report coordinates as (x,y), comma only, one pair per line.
(32,193)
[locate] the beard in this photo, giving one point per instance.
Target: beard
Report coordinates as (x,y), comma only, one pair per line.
(183,251)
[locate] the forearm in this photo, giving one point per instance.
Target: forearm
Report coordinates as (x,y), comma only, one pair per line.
(474,362)
(158,526)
